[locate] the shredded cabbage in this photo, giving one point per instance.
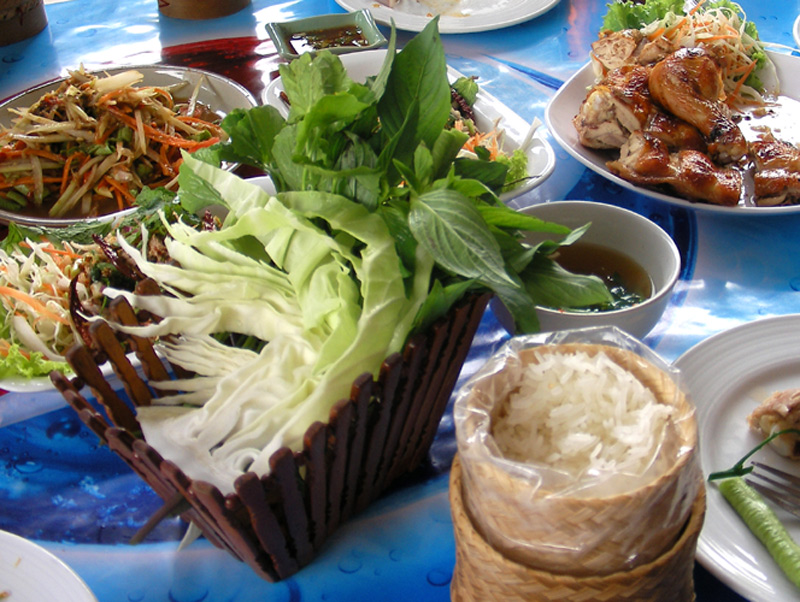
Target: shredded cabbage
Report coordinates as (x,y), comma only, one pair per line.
(326,293)
(34,304)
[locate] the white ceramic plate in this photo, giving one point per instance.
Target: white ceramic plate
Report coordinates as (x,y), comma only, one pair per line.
(567,101)
(487,109)
(219,93)
(29,572)
(464,16)
(796,31)
(727,376)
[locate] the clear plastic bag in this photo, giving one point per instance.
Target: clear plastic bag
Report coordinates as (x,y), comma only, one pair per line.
(554,512)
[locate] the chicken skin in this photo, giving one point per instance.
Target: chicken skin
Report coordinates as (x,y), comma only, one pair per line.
(776,175)
(688,84)
(646,160)
(621,104)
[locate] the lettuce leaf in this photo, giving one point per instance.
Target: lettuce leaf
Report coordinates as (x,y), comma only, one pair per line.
(635,15)
(17,365)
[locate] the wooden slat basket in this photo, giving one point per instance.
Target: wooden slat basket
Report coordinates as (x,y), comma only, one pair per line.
(276,523)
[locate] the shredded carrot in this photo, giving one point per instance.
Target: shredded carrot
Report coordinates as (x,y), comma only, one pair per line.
(160,136)
(110,95)
(735,94)
(166,95)
(5,349)
(52,250)
(43,153)
(121,188)
(31,302)
(65,174)
(727,36)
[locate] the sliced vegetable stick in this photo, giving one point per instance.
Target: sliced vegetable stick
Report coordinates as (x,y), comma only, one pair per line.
(764,524)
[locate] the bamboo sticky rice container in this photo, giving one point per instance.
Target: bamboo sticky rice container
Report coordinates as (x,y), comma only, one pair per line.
(482,573)
(540,516)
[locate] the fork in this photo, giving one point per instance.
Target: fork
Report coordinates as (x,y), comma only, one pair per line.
(780,487)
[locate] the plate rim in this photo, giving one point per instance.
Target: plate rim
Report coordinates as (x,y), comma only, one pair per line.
(582,155)
(49,83)
(448,25)
(27,548)
(269,97)
(718,349)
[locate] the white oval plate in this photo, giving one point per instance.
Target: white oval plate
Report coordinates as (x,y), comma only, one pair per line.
(464,16)
(796,31)
(220,94)
(29,572)
(566,104)
(488,110)
(727,376)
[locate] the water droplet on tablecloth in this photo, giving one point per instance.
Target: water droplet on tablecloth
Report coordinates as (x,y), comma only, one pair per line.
(439,578)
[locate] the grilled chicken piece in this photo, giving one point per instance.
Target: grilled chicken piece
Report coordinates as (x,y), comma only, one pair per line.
(646,160)
(776,176)
(615,107)
(614,49)
(621,104)
(675,133)
(778,412)
(688,84)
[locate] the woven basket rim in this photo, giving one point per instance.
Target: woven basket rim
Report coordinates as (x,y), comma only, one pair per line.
(687,428)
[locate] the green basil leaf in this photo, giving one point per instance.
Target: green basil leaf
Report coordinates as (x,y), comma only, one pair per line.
(252,134)
(446,149)
(491,173)
(417,84)
(550,285)
(310,78)
(449,226)
(504,217)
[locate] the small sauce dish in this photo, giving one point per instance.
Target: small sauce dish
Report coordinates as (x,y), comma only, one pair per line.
(338,33)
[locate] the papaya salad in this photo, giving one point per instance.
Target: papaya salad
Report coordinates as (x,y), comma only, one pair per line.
(88,147)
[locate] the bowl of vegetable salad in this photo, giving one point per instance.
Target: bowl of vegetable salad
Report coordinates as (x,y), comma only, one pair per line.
(84,146)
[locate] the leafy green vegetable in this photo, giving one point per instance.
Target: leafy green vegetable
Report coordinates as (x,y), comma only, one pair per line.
(384,144)
(28,365)
(517,164)
(635,15)
(467,88)
(376,229)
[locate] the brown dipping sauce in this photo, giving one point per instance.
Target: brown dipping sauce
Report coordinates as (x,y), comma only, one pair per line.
(627,281)
(329,37)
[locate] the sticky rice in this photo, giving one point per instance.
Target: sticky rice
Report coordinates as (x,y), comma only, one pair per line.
(580,413)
